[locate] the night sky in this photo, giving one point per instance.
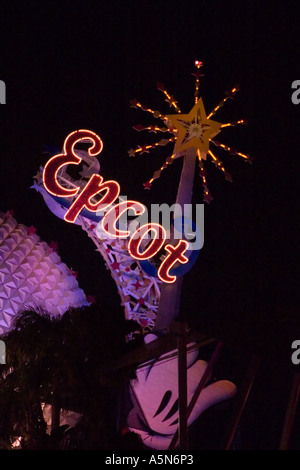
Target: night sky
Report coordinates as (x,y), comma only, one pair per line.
(76,64)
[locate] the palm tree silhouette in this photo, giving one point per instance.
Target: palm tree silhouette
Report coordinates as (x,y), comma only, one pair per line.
(62,361)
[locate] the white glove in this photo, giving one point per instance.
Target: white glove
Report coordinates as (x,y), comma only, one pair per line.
(156,391)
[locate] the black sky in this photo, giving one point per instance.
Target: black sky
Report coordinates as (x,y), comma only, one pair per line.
(76,64)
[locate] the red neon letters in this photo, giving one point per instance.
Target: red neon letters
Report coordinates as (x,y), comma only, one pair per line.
(112,216)
(69,156)
(176,253)
(93,187)
(137,245)
(155,245)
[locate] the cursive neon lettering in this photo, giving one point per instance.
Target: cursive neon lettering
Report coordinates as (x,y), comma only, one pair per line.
(92,199)
(67,157)
(176,254)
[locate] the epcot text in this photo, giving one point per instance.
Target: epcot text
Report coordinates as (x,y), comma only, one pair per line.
(99,195)
(175,219)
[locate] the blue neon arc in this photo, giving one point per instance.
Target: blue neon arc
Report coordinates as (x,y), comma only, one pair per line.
(192,255)
(84,212)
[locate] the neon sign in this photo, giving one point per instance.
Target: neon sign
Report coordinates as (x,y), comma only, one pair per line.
(95,186)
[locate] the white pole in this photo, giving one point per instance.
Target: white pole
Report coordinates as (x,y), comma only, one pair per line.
(169,303)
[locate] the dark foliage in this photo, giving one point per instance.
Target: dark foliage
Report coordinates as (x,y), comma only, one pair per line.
(63,361)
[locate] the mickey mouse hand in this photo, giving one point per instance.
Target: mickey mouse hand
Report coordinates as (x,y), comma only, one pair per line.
(156,391)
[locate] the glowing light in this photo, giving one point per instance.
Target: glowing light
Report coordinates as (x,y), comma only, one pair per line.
(231,150)
(155,245)
(136,104)
(198,64)
(157,173)
(92,188)
(155,129)
(68,156)
(17,442)
(170,98)
(229,94)
(176,254)
(95,187)
(194,131)
(113,215)
(231,124)
(146,148)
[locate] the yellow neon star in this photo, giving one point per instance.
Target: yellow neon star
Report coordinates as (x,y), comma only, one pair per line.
(194,130)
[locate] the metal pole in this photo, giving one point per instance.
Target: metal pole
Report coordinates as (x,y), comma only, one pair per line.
(169,302)
(182,386)
(199,388)
(290,413)
(240,403)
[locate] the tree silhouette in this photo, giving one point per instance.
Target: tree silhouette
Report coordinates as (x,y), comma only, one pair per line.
(62,361)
